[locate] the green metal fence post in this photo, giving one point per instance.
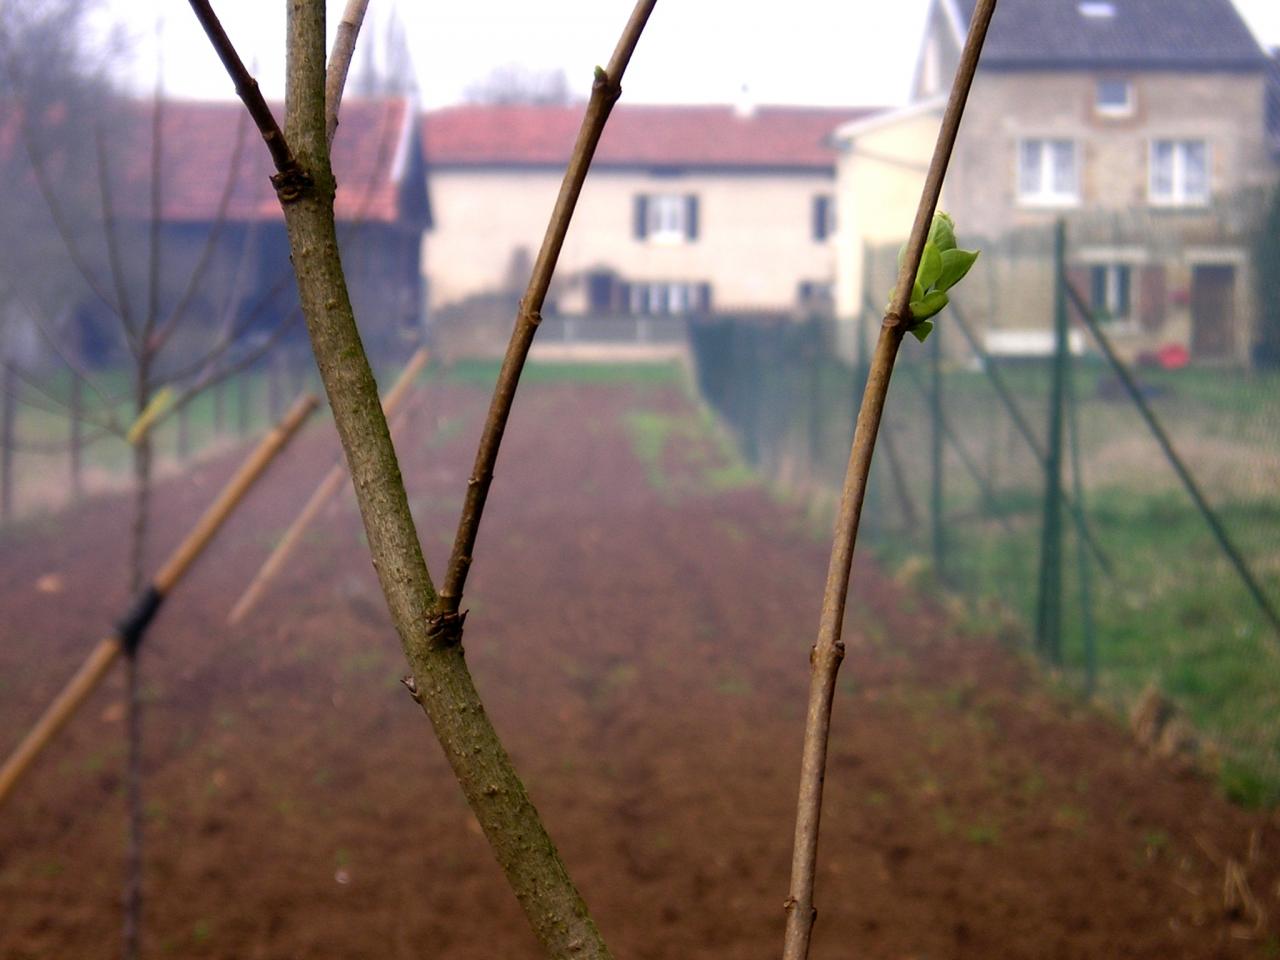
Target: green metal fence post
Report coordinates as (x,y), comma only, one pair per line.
(935,456)
(1049,602)
(1085,571)
(814,358)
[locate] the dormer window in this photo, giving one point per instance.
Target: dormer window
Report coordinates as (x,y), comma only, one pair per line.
(1114,98)
(1097,9)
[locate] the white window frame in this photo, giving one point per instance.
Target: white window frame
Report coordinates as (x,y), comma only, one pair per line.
(667,218)
(662,298)
(1046,193)
(1124,109)
(1111,294)
(1178,194)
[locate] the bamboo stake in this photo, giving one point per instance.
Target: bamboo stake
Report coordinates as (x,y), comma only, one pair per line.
(129,632)
(323,493)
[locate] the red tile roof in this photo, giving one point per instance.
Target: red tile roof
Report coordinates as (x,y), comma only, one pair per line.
(200,155)
(695,136)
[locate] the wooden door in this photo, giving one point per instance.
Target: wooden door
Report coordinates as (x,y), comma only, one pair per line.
(1213,312)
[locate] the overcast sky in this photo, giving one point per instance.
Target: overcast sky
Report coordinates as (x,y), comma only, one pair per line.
(694,51)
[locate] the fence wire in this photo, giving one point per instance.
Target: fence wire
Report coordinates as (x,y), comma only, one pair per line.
(1121,517)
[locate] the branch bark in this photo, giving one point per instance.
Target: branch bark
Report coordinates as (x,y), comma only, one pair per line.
(344,47)
(430,632)
(604,94)
(828,651)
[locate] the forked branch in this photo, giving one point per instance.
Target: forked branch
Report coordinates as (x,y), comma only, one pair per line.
(440,682)
(604,94)
(828,651)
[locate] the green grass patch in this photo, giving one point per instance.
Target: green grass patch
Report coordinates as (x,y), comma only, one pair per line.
(1172,609)
(485,373)
(686,453)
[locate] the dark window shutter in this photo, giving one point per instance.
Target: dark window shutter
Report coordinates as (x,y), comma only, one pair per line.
(704,298)
(691,217)
(600,291)
(1098,289)
(640,221)
(819,218)
(1123,295)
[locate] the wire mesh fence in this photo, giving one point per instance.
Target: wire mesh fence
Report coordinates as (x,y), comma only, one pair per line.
(1084,455)
(57,445)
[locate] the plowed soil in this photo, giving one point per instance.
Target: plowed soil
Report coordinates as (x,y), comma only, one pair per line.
(641,637)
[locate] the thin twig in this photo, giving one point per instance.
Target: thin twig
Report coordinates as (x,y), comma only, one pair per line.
(214,375)
(828,651)
(196,278)
(344,46)
(289,180)
(72,363)
(123,308)
(604,94)
(154,248)
(61,408)
(49,192)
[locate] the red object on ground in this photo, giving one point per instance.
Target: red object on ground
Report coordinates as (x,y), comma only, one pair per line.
(1173,356)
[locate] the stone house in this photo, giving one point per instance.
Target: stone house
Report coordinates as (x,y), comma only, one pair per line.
(1141,122)
(687,209)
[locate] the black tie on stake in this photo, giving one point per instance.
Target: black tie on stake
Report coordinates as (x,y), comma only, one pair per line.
(130,630)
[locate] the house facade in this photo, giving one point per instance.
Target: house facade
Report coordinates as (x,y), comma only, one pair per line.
(686,209)
(1143,123)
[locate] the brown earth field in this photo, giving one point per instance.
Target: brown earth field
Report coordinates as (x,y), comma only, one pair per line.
(640,631)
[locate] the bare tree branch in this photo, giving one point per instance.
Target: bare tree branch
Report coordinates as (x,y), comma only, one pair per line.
(154,248)
(344,45)
(289,178)
(68,359)
(124,309)
(212,375)
(430,634)
(604,94)
(196,279)
(828,651)
(61,407)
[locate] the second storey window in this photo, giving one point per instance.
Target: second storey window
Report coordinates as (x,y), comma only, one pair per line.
(666,217)
(1048,172)
(1179,172)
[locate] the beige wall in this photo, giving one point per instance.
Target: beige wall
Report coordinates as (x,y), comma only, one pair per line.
(879,180)
(754,247)
(1226,110)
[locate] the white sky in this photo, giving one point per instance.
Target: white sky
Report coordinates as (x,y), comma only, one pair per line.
(693,51)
